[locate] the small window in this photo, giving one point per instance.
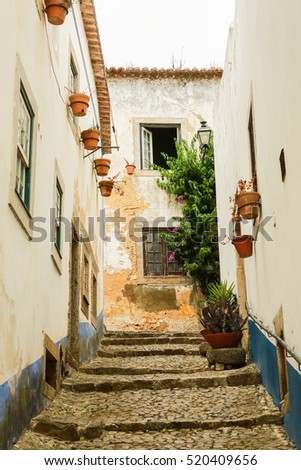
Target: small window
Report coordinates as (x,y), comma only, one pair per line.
(24,148)
(73,76)
(85,285)
(157,256)
(58,215)
(51,375)
(155,140)
(94,300)
(252,143)
(73,84)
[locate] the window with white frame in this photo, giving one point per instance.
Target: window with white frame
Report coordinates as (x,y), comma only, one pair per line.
(24,147)
(155,140)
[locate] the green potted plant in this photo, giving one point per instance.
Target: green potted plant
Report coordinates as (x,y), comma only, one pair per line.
(247,199)
(220,316)
(56,11)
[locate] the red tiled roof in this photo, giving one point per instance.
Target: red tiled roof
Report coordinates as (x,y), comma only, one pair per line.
(154,73)
(92,33)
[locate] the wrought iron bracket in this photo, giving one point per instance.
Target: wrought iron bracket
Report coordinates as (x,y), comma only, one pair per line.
(101,147)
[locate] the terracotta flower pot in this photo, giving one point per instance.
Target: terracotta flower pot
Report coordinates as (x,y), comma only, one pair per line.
(56,11)
(244,245)
(205,332)
(223,340)
(248,203)
(106,187)
(79,103)
(102,166)
(90,138)
(130,169)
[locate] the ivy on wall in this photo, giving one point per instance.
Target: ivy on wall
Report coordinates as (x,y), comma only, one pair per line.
(193,241)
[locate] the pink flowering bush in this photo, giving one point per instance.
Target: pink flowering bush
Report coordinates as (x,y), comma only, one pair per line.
(190,177)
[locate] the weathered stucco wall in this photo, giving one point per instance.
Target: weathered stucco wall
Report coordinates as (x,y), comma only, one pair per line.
(34,279)
(133,300)
(263,69)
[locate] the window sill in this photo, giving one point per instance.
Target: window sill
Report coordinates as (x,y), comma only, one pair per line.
(56,258)
(94,321)
(20,212)
(147,173)
(166,280)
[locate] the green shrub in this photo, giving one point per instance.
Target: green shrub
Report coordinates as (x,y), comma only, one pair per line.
(190,178)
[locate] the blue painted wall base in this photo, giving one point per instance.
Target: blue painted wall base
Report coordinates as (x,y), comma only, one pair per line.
(21,397)
(264,354)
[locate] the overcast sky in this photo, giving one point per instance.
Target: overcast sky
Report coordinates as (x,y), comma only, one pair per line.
(158,33)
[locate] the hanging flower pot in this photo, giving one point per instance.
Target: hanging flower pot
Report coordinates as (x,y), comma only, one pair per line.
(90,138)
(243,245)
(130,169)
(248,203)
(247,199)
(79,103)
(106,187)
(56,11)
(102,166)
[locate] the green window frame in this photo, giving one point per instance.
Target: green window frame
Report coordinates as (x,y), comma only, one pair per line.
(24,148)
(58,215)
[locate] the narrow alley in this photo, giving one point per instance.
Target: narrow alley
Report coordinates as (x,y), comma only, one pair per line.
(148,390)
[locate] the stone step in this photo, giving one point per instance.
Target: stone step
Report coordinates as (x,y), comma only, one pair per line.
(151,334)
(81,382)
(261,437)
(150,350)
(137,365)
(74,416)
(129,341)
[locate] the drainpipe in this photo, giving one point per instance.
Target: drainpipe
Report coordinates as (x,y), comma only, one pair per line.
(242,293)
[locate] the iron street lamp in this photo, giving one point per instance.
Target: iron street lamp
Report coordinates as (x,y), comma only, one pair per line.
(204,134)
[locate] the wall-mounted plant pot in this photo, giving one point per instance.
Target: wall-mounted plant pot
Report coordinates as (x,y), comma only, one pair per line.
(90,138)
(244,245)
(56,11)
(223,340)
(248,203)
(79,103)
(130,169)
(102,166)
(106,187)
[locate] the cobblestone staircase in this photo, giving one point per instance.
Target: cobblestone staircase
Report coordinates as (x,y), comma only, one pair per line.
(154,391)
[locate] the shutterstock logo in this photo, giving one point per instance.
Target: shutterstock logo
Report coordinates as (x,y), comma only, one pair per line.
(120,228)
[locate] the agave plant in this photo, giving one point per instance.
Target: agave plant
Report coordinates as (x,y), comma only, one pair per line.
(220,292)
(220,312)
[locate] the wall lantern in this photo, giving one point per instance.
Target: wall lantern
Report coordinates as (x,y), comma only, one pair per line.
(204,135)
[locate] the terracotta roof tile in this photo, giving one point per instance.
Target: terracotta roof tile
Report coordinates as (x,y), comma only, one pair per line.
(157,74)
(92,34)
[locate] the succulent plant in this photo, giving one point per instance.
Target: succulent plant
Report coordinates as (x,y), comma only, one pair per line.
(220,311)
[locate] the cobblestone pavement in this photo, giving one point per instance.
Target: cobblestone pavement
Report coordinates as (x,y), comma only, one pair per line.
(163,399)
